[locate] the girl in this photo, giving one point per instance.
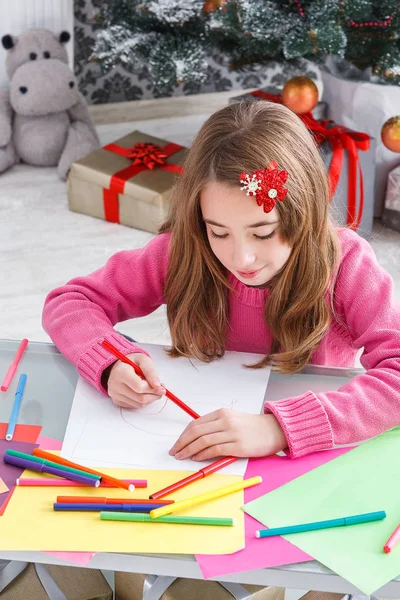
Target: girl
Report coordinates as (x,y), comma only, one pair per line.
(248,260)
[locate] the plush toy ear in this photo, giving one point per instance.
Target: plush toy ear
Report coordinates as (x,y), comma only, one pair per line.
(64,37)
(8,41)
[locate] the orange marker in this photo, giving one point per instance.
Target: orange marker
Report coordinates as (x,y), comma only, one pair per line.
(69,463)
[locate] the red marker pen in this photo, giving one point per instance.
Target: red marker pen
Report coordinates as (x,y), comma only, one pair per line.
(392,541)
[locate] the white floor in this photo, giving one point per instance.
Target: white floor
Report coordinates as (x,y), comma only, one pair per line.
(43,244)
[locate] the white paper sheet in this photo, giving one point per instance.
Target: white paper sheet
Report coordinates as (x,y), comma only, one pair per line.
(101,434)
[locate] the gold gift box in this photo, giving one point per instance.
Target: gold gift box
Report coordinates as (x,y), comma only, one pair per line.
(144,201)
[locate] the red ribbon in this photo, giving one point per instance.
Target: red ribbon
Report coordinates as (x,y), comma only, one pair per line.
(144,157)
(265,96)
(340,139)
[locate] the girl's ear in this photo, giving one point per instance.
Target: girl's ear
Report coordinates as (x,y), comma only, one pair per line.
(64,37)
(8,41)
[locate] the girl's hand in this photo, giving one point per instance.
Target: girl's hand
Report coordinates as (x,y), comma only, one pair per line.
(226,432)
(127,389)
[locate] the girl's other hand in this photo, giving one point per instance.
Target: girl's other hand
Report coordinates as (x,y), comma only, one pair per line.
(226,432)
(128,390)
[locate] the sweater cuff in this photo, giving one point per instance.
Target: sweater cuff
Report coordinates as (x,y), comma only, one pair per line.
(93,362)
(304,422)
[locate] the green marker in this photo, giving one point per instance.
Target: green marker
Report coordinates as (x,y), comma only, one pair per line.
(49,463)
(145,518)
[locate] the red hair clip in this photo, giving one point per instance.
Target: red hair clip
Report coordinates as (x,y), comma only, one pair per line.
(267,185)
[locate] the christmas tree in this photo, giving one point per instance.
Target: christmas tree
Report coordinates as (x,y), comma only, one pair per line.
(174,38)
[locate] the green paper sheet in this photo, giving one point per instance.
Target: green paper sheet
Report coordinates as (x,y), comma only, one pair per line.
(366,479)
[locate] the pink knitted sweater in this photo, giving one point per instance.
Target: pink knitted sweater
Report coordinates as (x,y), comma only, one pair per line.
(80,314)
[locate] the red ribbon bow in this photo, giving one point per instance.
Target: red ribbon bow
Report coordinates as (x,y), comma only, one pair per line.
(340,139)
(149,155)
(145,156)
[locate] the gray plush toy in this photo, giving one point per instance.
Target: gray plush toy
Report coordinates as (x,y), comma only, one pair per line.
(44,120)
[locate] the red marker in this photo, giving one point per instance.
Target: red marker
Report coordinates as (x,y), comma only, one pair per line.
(100,500)
(392,541)
(139,372)
(14,365)
(215,466)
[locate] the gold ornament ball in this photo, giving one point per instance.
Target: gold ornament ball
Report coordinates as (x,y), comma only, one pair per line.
(300,94)
(390,134)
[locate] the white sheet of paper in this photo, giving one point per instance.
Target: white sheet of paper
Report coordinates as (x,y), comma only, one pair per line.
(102,434)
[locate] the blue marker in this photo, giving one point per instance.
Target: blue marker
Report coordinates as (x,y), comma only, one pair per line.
(126,507)
(16,406)
(354,520)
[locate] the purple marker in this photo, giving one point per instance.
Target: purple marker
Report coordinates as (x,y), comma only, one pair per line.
(42,468)
(99,506)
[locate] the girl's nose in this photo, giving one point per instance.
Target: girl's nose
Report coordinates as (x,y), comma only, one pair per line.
(243,258)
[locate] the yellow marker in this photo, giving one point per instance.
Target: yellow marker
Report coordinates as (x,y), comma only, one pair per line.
(224,491)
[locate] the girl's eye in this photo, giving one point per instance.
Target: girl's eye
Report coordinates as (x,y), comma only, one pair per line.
(258,237)
(265,237)
(219,237)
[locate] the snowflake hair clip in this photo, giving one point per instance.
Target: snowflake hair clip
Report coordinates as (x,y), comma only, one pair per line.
(267,185)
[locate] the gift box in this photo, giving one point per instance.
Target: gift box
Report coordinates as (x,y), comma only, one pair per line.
(350,159)
(272,94)
(128,182)
(132,586)
(391,212)
(365,106)
(72,582)
(353,198)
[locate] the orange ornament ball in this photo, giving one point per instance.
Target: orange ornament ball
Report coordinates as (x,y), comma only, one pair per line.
(390,134)
(300,94)
(212,5)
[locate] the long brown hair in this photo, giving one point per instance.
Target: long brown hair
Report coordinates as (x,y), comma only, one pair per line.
(246,137)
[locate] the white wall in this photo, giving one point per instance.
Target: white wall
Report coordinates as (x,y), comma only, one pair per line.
(18,15)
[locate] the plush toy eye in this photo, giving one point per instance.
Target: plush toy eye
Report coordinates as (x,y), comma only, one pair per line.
(71,84)
(46,54)
(33,56)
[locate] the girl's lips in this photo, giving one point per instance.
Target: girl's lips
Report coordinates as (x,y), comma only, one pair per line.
(249,274)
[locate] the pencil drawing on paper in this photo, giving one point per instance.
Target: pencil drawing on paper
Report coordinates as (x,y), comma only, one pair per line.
(149,419)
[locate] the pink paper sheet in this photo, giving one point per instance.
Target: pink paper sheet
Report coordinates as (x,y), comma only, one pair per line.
(47,443)
(275,471)
(77,558)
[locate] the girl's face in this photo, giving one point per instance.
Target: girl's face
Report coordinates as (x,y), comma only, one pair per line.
(244,238)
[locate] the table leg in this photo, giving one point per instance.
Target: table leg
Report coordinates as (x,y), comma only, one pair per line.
(155,585)
(237,591)
(294,594)
(359,597)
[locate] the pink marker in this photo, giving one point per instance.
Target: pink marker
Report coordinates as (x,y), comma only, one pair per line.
(392,541)
(48,482)
(13,367)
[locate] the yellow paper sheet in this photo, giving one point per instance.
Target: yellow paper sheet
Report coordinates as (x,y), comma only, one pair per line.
(3,487)
(30,523)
